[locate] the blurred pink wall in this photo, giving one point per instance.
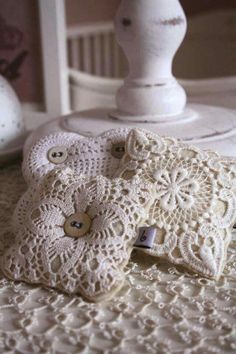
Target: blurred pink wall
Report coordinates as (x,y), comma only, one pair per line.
(192,7)
(20,57)
(102,10)
(90,10)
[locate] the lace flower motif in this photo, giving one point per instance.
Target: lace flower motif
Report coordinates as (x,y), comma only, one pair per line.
(76,234)
(175,189)
(88,156)
(194,205)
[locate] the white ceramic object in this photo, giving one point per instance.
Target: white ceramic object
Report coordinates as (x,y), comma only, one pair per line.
(12,127)
(150,34)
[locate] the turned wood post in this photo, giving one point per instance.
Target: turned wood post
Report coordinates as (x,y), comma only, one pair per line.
(150,33)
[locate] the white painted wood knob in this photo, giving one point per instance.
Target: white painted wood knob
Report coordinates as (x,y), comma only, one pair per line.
(150,33)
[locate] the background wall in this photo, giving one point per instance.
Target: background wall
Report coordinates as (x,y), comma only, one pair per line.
(101,10)
(79,11)
(193,7)
(20,56)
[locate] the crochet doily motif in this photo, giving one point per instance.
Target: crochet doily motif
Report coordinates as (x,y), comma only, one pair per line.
(88,156)
(194,200)
(49,250)
(161,308)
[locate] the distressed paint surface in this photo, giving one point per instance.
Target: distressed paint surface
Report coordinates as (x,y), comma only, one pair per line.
(175,21)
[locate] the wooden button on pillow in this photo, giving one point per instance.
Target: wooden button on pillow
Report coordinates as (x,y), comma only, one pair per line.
(100,155)
(76,233)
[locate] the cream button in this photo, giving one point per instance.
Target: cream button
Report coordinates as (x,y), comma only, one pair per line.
(118,150)
(77,225)
(57,154)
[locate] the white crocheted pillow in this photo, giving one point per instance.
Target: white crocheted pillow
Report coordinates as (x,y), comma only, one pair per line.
(76,234)
(194,204)
(88,156)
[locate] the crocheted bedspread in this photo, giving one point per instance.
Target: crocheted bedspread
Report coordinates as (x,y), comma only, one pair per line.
(160,309)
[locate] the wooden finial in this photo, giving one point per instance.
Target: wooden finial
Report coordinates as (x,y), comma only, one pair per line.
(150,33)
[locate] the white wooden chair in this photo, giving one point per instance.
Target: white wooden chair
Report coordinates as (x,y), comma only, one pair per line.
(97,64)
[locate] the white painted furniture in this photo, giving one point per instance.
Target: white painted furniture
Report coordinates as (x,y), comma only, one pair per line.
(96,63)
(89,91)
(198,124)
(143,103)
(96,86)
(55,67)
(196,60)
(92,49)
(150,35)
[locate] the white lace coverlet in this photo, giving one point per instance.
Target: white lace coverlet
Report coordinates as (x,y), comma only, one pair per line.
(160,309)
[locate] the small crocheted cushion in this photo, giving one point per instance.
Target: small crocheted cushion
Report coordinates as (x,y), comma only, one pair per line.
(194,202)
(88,156)
(228,168)
(76,234)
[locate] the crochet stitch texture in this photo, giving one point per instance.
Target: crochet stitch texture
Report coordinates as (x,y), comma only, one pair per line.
(86,156)
(46,249)
(194,205)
